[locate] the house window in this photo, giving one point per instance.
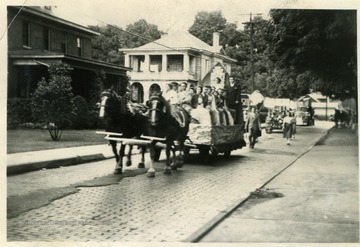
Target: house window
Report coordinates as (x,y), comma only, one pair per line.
(155,63)
(64,44)
(137,63)
(46,39)
(26,34)
(175,63)
(78,44)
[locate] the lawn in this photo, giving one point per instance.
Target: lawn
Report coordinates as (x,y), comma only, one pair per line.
(24,140)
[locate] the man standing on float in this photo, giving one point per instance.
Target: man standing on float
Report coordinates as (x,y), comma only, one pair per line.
(234,101)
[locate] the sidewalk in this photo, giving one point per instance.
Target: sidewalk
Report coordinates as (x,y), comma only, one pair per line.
(18,163)
(315,200)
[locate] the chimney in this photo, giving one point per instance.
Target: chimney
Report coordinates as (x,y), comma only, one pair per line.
(216,39)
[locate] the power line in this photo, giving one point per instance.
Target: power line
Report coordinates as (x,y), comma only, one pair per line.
(13,19)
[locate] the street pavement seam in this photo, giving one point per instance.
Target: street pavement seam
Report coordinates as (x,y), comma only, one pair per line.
(200,233)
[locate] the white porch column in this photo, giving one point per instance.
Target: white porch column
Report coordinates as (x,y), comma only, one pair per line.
(146,86)
(147,63)
(164,63)
(186,63)
(127,60)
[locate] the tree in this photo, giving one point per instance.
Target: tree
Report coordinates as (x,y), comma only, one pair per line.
(236,45)
(140,33)
(206,23)
(52,100)
(318,42)
(106,46)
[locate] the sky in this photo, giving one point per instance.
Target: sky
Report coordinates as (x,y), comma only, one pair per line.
(172,14)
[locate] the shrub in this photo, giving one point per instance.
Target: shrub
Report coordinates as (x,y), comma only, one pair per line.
(18,112)
(52,101)
(81,113)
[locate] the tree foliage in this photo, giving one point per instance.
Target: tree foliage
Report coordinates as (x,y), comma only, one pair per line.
(236,44)
(319,42)
(206,23)
(52,100)
(106,46)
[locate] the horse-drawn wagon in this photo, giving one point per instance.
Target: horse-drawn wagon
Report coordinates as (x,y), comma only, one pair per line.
(214,139)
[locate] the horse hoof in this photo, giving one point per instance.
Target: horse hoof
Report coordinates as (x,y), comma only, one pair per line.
(151,174)
(128,163)
(174,166)
(167,171)
(141,165)
(118,171)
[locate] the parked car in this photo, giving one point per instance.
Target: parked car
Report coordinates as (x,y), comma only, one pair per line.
(304,117)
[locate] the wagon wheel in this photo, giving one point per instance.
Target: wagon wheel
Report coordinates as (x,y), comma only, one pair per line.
(227,153)
(157,154)
(213,151)
(204,153)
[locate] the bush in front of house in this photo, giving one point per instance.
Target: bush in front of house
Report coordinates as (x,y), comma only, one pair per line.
(81,114)
(18,112)
(52,101)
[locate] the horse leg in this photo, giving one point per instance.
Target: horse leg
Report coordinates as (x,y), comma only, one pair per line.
(174,158)
(117,158)
(142,162)
(128,162)
(167,169)
(113,147)
(151,171)
(179,159)
(181,154)
(119,165)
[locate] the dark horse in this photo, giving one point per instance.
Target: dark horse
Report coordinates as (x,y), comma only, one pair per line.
(121,117)
(167,124)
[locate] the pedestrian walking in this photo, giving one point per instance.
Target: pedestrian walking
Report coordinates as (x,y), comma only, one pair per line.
(287,127)
(253,126)
(293,125)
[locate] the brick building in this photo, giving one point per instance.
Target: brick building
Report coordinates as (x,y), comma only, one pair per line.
(37,38)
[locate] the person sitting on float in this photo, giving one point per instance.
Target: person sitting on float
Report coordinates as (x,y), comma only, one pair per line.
(199,113)
(172,94)
(184,97)
(210,104)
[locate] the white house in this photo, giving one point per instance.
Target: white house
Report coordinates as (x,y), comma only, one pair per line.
(323,106)
(175,57)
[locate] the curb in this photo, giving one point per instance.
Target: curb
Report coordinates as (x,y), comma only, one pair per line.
(23,168)
(211,224)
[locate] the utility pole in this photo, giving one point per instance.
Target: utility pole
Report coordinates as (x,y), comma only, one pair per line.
(251,23)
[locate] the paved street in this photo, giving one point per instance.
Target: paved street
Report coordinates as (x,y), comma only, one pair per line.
(94,205)
(315,200)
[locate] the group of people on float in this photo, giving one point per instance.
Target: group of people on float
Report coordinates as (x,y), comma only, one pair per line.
(207,105)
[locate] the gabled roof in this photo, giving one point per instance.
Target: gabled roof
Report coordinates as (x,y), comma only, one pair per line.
(316,97)
(180,41)
(177,40)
